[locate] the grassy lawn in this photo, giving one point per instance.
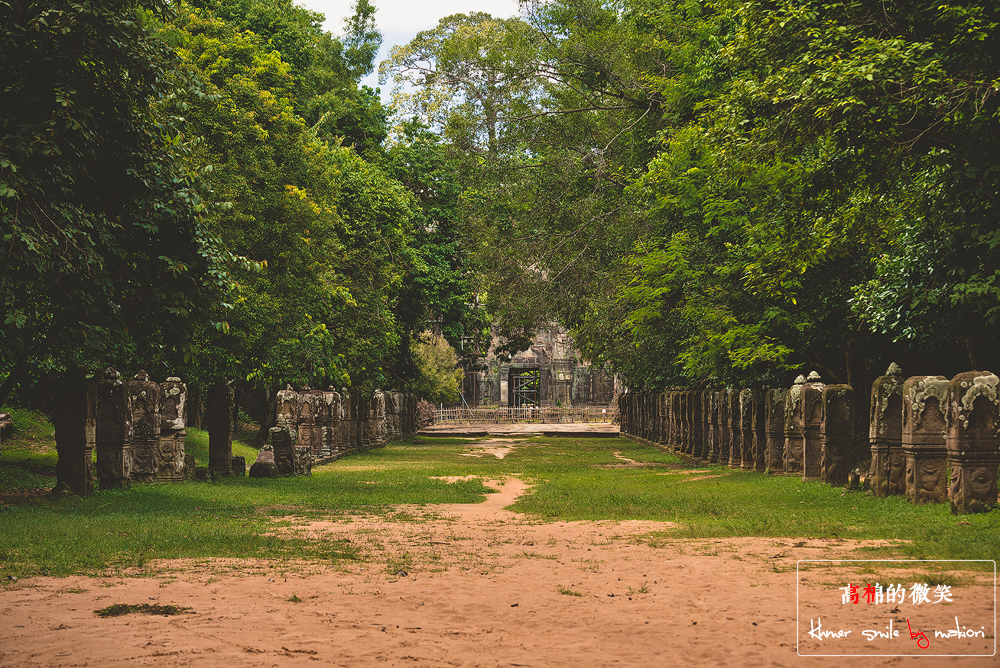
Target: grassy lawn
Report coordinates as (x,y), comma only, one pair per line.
(574,479)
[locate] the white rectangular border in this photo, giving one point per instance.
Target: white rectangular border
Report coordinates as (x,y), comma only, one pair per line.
(900,561)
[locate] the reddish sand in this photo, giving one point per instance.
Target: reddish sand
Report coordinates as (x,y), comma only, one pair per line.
(484,587)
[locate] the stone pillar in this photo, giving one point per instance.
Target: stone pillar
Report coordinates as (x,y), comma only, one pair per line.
(336,427)
(675,420)
(173,432)
(887,473)
(746,430)
(287,411)
(811,405)
(793,428)
(113,433)
(380,433)
(759,449)
(836,434)
(683,429)
(925,423)
(775,401)
(349,419)
(735,430)
(219,416)
(725,438)
(698,436)
(75,420)
(365,420)
(972,441)
(283,450)
(709,451)
(311,417)
(144,396)
(714,433)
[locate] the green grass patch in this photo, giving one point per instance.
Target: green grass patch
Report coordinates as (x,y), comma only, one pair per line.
(573,479)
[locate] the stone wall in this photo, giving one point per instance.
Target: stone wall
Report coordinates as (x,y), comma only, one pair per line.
(920,428)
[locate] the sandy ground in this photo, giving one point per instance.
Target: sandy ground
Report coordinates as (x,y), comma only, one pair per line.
(458,585)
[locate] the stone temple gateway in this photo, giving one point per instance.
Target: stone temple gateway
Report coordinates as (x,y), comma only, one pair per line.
(549,373)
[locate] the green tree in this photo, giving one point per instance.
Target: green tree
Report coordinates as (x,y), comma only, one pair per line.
(105,246)
(440,377)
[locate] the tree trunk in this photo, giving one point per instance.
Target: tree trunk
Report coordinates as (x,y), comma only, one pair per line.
(268,420)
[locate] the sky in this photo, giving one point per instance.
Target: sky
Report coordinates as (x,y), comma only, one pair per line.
(401,20)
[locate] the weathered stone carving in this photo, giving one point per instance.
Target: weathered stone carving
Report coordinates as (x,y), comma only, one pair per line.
(144,397)
(282,450)
(836,434)
(886,475)
(811,404)
(925,424)
(379,428)
(287,411)
(336,427)
(239,466)
(735,430)
(219,417)
(697,437)
(711,413)
(676,428)
(173,434)
(725,438)
(972,441)
(75,420)
(793,429)
(265,466)
(113,433)
(759,431)
(746,430)
(189,467)
(775,401)
(312,416)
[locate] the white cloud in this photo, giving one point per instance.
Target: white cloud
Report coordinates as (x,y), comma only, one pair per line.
(401,20)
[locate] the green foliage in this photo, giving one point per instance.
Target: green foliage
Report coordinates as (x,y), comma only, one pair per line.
(439,376)
(105,247)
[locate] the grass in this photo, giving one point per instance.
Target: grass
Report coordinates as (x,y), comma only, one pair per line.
(119,609)
(573,479)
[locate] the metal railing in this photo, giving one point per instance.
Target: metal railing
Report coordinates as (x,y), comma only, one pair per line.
(507,415)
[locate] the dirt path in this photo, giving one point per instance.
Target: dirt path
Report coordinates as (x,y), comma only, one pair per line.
(453,585)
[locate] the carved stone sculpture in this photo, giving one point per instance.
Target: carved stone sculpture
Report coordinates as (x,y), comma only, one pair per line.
(793,428)
(759,448)
(886,475)
(811,405)
(173,394)
(145,400)
(735,430)
(282,450)
(711,402)
(725,438)
(746,429)
(925,425)
(837,432)
(973,444)
(775,401)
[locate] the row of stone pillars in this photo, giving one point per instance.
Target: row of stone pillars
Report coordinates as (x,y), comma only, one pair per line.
(917,427)
(138,428)
(326,424)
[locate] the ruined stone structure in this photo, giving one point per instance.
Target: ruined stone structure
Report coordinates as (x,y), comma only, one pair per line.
(836,434)
(925,423)
(793,429)
(972,441)
(775,401)
(886,475)
(548,373)
(808,431)
(172,430)
(144,398)
(811,406)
